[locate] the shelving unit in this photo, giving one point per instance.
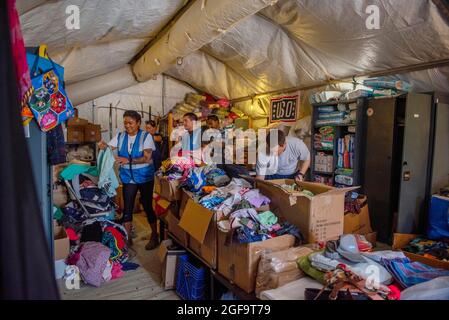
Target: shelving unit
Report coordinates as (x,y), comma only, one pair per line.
(340,131)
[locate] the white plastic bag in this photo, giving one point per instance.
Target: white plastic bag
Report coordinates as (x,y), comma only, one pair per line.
(436,289)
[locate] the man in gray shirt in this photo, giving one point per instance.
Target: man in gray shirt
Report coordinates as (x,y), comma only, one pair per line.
(282,157)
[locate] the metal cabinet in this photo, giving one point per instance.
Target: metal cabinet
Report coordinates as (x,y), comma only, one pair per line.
(37,145)
(397,162)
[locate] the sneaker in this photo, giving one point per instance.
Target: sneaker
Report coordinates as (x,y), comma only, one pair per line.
(153,243)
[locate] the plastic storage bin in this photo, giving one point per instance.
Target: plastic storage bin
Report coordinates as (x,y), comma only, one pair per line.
(191,279)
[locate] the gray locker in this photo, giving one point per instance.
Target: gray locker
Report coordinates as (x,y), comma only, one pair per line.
(396,167)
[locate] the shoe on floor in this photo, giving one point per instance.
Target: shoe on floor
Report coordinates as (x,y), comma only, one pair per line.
(152,244)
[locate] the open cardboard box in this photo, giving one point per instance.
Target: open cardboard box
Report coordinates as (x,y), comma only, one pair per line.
(168,189)
(173,227)
(239,262)
(358,223)
(200,224)
(61,242)
(401,240)
(169,258)
(320,218)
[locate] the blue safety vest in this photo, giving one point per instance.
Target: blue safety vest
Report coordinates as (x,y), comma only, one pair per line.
(134,173)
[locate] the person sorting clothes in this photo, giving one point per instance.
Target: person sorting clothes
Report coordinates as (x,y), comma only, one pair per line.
(282,158)
(191,139)
(135,148)
(151,128)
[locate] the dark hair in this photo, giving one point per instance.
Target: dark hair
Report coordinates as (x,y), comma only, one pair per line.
(151,123)
(280,139)
(133,114)
(192,116)
(213,118)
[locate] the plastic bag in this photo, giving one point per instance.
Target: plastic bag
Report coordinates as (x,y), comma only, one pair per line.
(278,268)
(436,289)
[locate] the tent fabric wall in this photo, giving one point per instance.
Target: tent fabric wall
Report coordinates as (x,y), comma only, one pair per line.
(133,98)
(292,43)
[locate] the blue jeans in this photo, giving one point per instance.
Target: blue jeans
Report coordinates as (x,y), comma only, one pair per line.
(280,176)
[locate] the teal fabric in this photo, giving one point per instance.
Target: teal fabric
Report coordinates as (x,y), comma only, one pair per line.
(108,181)
(267,218)
(75,169)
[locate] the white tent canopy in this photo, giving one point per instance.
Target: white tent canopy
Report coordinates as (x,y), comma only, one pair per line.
(239,48)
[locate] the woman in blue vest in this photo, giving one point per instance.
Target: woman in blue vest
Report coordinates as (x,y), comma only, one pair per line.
(135,148)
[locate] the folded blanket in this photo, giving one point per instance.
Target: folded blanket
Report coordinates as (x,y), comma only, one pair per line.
(409,273)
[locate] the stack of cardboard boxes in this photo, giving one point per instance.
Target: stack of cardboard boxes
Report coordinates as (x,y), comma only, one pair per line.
(80,131)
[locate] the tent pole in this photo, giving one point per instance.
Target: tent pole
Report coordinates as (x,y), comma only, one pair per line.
(93,111)
(163,93)
(389,72)
(110,121)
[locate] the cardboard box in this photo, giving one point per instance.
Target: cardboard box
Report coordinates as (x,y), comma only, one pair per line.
(169,189)
(61,242)
(92,133)
(358,223)
(201,225)
(157,185)
(401,240)
(168,255)
(75,134)
(173,227)
(75,121)
(319,218)
(207,250)
(239,262)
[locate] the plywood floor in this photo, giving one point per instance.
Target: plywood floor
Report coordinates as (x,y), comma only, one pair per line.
(140,284)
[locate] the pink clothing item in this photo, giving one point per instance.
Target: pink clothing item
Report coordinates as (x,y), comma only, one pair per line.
(19,57)
(117,271)
(256,198)
(395,293)
(93,259)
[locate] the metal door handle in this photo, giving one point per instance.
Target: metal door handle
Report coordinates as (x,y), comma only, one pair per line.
(407,176)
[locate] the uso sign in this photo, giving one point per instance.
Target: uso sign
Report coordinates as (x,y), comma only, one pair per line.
(284,109)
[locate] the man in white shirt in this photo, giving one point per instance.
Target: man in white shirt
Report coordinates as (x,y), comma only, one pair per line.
(282,158)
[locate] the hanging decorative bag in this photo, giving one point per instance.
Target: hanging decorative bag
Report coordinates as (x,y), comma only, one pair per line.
(49,102)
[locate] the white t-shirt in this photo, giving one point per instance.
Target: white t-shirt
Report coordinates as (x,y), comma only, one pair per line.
(147,144)
(287,162)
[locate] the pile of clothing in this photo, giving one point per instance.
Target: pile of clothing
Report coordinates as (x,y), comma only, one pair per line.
(429,248)
(351,250)
(176,168)
(244,210)
(385,269)
(84,182)
(354,202)
(203,176)
(98,251)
